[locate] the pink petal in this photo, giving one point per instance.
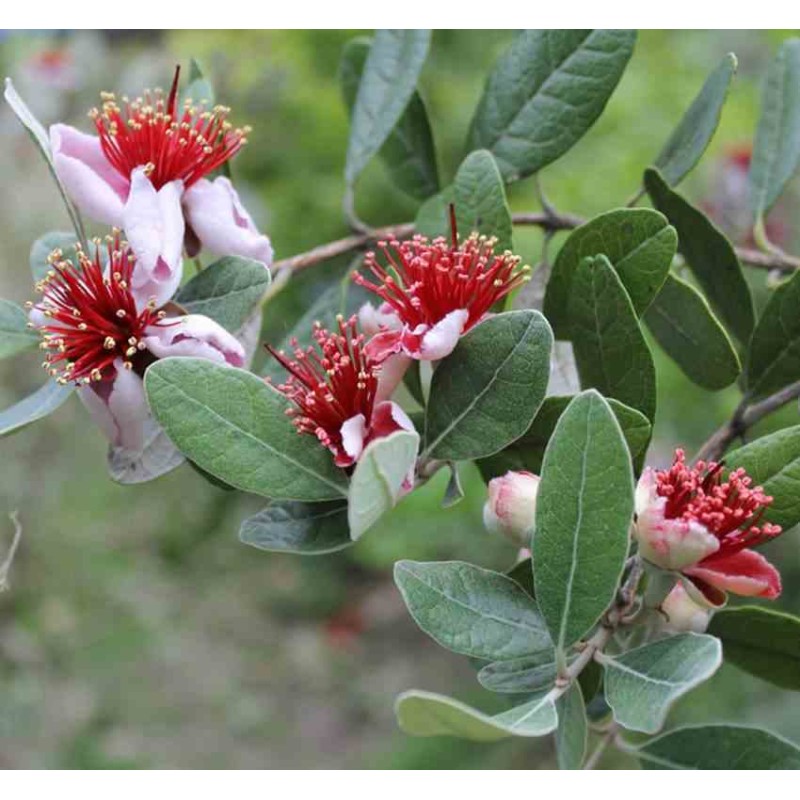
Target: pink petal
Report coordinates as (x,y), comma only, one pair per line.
(119,407)
(383,345)
(153,222)
(745,573)
(196,336)
(373,320)
(354,433)
(91,182)
(388,417)
(440,340)
(390,375)
(221,223)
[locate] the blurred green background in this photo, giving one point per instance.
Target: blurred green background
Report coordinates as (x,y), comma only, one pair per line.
(138,632)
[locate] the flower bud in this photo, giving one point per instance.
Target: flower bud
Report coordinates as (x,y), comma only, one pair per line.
(682,613)
(511,505)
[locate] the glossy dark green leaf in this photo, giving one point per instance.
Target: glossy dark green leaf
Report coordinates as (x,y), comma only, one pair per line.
(689,140)
(227,291)
(303,528)
(719,747)
(773,461)
(40,404)
(470,610)
(44,245)
(573,728)
(583,514)
(427,714)
(709,255)
(527,452)
(520,675)
(408,152)
(15,335)
(683,324)
(773,358)
(638,242)
(545,92)
(776,149)
(487,391)
(610,349)
(234,426)
(388,82)
(480,200)
(761,641)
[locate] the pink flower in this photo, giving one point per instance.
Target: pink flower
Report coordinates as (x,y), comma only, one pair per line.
(433,293)
(689,520)
(335,388)
(145,172)
(511,505)
(100,333)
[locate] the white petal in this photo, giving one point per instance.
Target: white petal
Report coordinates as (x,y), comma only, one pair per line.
(353,432)
(197,336)
(372,320)
(442,338)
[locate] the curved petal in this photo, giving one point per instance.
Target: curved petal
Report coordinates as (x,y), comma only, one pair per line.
(153,222)
(354,434)
(645,495)
(119,407)
(373,320)
(437,342)
(388,417)
(746,573)
(390,375)
(194,336)
(91,182)
(383,345)
(221,223)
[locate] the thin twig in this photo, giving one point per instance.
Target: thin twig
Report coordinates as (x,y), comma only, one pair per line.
(12,551)
(605,740)
(769,261)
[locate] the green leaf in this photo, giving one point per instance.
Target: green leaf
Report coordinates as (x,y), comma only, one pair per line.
(408,152)
(487,391)
(710,256)
(470,610)
(776,150)
(642,684)
(527,452)
(761,641)
(638,242)
(40,138)
(697,126)
(773,358)
(433,215)
(583,512)
(227,291)
(545,92)
(773,461)
(388,82)
(480,200)
(306,529)
(44,245)
(156,457)
(522,574)
(454,492)
(520,675)
(610,349)
(377,482)
(427,714)
(718,747)
(199,89)
(234,426)
(42,402)
(686,328)
(15,335)
(573,728)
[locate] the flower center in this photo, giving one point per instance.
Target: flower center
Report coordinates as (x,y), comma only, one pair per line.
(729,509)
(91,315)
(150,132)
(425,280)
(329,383)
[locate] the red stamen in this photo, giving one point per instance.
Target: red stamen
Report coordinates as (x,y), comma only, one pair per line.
(92,318)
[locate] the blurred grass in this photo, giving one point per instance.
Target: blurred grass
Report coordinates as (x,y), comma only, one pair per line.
(139,632)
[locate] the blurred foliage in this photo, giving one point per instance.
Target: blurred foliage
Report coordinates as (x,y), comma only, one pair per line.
(138,631)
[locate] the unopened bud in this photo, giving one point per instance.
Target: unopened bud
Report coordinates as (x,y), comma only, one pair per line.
(682,613)
(511,505)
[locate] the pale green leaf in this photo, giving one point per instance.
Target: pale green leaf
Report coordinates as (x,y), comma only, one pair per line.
(42,402)
(520,675)
(573,727)
(15,335)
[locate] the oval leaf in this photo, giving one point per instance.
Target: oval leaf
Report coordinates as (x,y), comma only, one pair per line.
(638,242)
(428,714)
(697,126)
(573,728)
(15,335)
(157,456)
(42,402)
(470,610)
(44,245)
(545,92)
(642,684)
(583,512)
(761,641)
(487,392)
(232,425)
(387,85)
(610,349)
(306,529)
(520,675)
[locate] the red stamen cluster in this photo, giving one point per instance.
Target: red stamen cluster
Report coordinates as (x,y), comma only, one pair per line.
(329,383)
(91,315)
(150,132)
(435,278)
(730,510)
